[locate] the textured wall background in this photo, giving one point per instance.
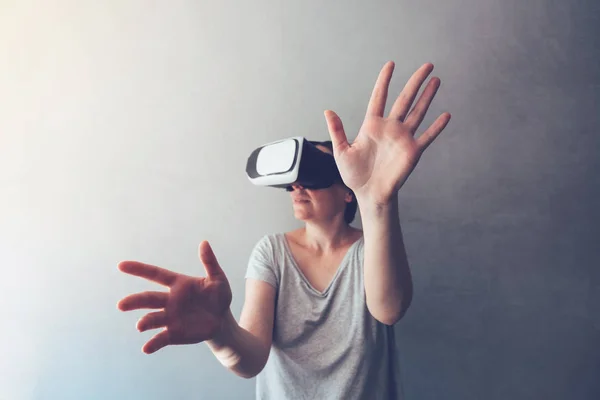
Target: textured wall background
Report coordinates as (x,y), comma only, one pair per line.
(124,131)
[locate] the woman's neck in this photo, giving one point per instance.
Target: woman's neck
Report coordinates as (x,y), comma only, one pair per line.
(327,238)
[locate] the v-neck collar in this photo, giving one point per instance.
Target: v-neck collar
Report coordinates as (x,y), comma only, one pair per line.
(338,271)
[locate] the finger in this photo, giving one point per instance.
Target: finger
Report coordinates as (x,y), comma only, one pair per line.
(376,105)
(143,300)
(157,342)
(409,92)
(153,320)
(150,272)
(208,258)
(434,130)
(416,115)
(336,132)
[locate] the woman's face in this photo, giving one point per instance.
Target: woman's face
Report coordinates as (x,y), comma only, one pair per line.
(320,204)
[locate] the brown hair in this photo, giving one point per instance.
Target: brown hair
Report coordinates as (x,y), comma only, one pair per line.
(352,207)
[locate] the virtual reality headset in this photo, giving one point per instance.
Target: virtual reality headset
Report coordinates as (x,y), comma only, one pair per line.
(295,160)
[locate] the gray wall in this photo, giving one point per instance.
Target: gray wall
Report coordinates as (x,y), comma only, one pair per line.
(124,130)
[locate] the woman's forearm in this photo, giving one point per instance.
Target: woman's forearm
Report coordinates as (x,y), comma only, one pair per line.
(388,279)
(239,350)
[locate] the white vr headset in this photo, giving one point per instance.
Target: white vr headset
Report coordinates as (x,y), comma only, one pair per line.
(296,160)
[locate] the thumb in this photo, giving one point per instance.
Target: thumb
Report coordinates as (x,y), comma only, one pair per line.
(336,132)
(208,258)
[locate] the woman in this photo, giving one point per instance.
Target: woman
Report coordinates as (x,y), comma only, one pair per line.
(321,301)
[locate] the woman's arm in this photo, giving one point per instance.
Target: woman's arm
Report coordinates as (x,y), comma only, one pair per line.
(388,280)
(244,348)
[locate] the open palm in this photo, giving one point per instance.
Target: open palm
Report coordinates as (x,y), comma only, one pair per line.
(385,151)
(191,311)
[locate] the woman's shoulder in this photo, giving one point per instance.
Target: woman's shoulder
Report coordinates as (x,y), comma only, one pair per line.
(359,234)
(270,240)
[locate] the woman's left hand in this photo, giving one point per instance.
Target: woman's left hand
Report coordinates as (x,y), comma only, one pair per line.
(385,151)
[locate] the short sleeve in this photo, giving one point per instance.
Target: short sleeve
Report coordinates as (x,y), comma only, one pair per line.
(261,264)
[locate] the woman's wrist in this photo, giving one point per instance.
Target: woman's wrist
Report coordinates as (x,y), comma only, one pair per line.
(226,333)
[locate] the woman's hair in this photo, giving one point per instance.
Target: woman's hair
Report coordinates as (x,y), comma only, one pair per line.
(350,211)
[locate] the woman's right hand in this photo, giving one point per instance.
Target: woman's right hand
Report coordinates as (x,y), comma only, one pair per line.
(192,311)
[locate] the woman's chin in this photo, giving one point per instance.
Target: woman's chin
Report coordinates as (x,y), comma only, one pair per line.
(301,215)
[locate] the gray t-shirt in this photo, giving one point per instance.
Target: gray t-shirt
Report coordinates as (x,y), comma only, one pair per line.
(326,345)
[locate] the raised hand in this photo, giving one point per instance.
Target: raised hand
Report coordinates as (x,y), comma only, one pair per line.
(385,151)
(191,311)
